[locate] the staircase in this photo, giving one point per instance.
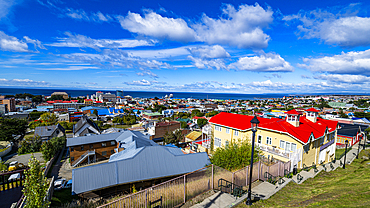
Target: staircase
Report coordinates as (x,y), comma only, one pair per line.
(87,154)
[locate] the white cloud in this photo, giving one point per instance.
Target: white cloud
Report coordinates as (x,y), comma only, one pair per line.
(81,41)
(344,28)
(22,82)
(209,52)
(69,68)
(5,6)
(266,62)
(346,63)
(147,73)
(10,43)
(208,63)
(143,82)
(81,14)
(241,28)
(154,25)
(338,78)
(36,43)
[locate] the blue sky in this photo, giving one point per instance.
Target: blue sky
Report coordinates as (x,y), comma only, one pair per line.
(191,46)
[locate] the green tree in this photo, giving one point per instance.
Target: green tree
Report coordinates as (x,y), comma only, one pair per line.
(37,99)
(173,137)
(234,156)
(201,122)
(95,112)
(11,127)
(51,147)
(35,185)
(29,145)
(49,118)
(35,115)
(184,125)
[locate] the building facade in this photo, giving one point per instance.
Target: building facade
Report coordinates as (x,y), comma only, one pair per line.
(303,140)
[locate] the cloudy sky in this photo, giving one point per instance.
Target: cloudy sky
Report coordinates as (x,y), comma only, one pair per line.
(187,46)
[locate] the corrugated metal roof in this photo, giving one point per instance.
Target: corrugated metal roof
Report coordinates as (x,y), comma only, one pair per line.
(91,139)
(194,135)
(148,163)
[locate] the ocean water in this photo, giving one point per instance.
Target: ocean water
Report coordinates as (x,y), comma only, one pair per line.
(142,94)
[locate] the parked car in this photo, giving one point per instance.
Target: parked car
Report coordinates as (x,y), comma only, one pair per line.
(68,184)
(59,184)
(15,176)
(15,166)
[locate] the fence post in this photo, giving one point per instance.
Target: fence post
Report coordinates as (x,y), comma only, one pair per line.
(146,197)
(259,170)
(232,182)
(279,168)
(212,179)
(246,174)
(184,189)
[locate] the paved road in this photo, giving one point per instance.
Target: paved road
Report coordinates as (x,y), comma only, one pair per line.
(8,197)
(23,158)
(62,168)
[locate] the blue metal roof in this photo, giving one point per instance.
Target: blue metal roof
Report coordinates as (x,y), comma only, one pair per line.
(141,164)
(92,139)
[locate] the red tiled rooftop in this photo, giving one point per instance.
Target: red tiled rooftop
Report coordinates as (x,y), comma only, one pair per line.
(312,110)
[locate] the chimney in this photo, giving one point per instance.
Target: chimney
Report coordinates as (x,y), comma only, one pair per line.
(293,117)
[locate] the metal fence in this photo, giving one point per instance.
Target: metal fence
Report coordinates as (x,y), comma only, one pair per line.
(177,191)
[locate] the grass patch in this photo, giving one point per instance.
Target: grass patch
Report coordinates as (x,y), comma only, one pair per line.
(62,197)
(29,135)
(338,152)
(340,188)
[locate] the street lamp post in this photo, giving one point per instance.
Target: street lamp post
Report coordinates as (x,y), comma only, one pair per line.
(345,154)
(254,124)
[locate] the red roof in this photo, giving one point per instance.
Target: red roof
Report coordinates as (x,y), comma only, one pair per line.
(312,110)
(303,132)
(293,112)
(50,101)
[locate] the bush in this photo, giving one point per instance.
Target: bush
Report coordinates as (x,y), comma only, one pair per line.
(51,147)
(30,145)
(234,156)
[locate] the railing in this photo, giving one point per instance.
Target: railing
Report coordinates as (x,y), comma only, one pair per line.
(82,157)
(5,184)
(229,187)
(177,191)
(275,151)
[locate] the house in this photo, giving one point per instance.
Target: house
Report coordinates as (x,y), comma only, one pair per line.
(351,132)
(49,132)
(158,130)
(300,139)
(152,115)
(85,126)
(92,148)
(142,163)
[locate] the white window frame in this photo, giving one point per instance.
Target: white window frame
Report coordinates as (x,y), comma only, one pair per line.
(236,132)
(259,139)
(217,142)
(282,144)
(293,149)
(227,131)
(218,128)
(268,140)
(227,143)
(287,146)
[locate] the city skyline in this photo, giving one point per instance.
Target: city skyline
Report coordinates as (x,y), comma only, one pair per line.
(247,47)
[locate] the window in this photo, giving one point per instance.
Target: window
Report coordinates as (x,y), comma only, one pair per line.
(217,142)
(282,144)
(268,140)
(112,143)
(259,139)
(72,149)
(103,144)
(112,151)
(104,153)
(236,132)
(293,147)
(218,128)
(287,146)
(226,143)
(306,148)
(91,146)
(82,147)
(227,131)
(72,159)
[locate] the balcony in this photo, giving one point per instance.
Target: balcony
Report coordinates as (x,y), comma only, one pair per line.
(275,151)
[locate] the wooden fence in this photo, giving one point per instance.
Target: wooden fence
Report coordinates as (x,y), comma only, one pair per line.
(177,191)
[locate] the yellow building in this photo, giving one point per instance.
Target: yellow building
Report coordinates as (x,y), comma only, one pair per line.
(300,139)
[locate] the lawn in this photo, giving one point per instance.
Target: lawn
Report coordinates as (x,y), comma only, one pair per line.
(348,187)
(122,126)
